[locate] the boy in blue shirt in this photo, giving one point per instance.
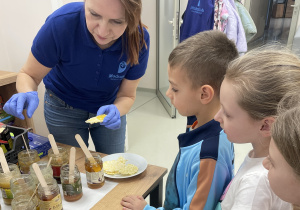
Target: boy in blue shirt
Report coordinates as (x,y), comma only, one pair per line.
(204,165)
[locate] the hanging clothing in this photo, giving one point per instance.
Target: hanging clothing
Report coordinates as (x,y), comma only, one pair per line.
(221,16)
(247,21)
(198,16)
(234,29)
(203,15)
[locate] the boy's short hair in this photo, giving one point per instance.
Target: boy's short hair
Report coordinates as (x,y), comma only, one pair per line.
(204,57)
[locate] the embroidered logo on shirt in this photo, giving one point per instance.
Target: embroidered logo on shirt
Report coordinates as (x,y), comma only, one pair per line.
(122,67)
(115,77)
(197,9)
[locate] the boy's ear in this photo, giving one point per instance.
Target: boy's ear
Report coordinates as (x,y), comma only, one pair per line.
(206,94)
(266,126)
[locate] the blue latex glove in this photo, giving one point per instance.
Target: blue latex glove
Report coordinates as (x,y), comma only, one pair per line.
(112,120)
(15,105)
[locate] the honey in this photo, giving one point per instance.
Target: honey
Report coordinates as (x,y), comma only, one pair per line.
(49,198)
(46,171)
(22,202)
(5,182)
(26,158)
(94,172)
(71,191)
(57,161)
(22,185)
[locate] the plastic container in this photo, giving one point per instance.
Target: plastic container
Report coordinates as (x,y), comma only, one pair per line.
(57,161)
(94,172)
(18,143)
(46,171)
(71,192)
(25,159)
(5,182)
(49,198)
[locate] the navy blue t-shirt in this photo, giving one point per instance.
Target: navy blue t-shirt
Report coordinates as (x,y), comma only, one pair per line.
(198,16)
(82,74)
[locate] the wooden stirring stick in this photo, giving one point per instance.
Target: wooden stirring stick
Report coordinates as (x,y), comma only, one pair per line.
(49,162)
(85,149)
(34,192)
(53,144)
(72,165)
(25,145)
(41,178)
(3,162)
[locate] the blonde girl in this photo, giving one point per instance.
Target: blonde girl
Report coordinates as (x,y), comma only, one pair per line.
(283,161)
(250,92)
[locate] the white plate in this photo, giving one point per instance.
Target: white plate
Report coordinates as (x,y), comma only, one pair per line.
(135,159)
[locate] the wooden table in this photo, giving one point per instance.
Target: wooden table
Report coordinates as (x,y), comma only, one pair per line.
(150,182)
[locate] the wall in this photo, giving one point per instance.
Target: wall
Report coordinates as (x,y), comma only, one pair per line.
(20,21)
(149,19)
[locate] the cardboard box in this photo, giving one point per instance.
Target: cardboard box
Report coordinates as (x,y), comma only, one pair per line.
(289,9)
(278,10)
(39,143)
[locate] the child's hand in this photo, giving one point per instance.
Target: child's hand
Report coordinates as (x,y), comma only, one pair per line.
(133,202)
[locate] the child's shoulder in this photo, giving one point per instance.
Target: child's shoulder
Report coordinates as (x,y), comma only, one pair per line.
(252,172)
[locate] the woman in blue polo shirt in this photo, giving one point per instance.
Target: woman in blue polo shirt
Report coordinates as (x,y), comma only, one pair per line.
(90,56)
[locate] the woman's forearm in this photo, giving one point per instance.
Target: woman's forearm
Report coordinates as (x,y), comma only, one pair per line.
(126,95)
(31,75)
(124,104)
(25,83)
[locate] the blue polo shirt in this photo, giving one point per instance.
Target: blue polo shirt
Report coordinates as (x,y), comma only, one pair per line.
(198,16)
(82,74)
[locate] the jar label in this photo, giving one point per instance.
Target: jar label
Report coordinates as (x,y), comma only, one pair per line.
(6,193)
(95,177)
(54,204)
(72,189)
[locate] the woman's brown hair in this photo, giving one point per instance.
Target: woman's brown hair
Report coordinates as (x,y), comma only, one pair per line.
(134,31)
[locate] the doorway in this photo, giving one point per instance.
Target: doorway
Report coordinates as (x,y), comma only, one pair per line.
(168,21)
(276,21)
(168,38)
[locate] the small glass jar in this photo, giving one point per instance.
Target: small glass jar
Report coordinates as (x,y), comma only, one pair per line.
(5,182)
(25,159)
(57,161)
(22,202)
(50,197)
(71,192)
(94,172)
(46,171)
(23,184)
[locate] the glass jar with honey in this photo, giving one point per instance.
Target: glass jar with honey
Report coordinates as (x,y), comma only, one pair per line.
(46,171)
(94,171)
(26,158)
(49,198)
(57,161)
(5,182)
(22,202)
(71,191)
(23,184)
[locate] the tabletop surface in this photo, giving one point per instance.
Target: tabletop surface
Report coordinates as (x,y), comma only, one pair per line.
(141,184)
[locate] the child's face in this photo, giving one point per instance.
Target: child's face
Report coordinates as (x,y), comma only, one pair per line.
(182,96)
(237,124)
(282,178)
